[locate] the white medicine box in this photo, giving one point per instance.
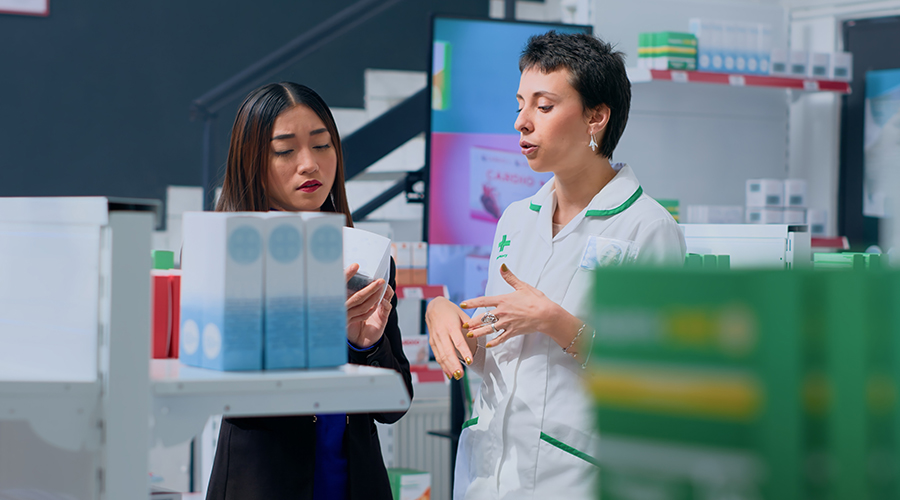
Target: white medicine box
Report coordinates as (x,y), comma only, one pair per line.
(841,66)
(798,64)
(778,63)
(794,216)
(819,65)
(765,193)
(818,221)
(765,215)
(795,193)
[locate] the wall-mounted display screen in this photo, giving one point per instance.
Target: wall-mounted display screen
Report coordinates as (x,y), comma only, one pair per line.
(476,168)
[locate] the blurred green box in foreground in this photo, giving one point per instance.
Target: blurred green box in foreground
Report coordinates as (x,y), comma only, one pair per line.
(746,385)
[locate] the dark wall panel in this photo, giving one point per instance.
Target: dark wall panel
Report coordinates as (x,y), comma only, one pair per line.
(94,99)
(873,43)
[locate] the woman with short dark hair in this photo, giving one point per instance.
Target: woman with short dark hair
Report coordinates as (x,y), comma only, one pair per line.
(285,154)
(532,432)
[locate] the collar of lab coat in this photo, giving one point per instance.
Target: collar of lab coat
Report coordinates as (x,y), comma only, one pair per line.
(615,197)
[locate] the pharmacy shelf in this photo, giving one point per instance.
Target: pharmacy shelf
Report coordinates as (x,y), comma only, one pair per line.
(184,397)
(642,75)
(423,292)
(835,242)
(62,413)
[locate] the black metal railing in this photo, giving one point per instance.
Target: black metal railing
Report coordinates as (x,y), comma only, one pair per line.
(207,105)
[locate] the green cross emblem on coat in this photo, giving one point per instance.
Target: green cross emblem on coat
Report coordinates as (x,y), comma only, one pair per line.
(504,243)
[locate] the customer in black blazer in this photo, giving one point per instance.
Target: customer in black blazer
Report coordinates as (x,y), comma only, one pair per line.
(285,154)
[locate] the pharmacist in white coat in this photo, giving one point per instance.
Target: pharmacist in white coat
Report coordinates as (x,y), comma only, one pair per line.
(532,434)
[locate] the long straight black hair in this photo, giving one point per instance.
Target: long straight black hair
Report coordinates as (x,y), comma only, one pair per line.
(247,167)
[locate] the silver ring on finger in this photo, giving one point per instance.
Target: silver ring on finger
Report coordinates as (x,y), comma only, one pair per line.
(493,328)
(489,318)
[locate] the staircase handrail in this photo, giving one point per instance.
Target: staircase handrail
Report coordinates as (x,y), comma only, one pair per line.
(298,48)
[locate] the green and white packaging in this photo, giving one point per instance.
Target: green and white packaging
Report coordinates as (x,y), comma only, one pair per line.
(696,376)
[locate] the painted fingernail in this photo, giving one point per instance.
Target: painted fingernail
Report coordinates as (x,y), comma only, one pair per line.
(504,268)
(470,335)
(468,361)
(463,305)
(488,345)
(457,374)
(465,325)
(448,376)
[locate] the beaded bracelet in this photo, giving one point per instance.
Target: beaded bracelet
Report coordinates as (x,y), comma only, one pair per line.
(591,348)
(566,349)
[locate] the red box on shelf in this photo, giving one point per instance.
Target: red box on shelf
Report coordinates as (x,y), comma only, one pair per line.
(165,293)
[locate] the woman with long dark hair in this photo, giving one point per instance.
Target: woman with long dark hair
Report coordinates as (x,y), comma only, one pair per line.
(285,154)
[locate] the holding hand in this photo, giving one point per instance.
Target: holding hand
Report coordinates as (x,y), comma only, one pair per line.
(525,310)
(446,336)
(367,311)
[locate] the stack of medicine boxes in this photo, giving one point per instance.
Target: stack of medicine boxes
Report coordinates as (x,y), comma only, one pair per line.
(747,384)
(732,47)
(776,201)
(263,291)
(696,377)
(667,50)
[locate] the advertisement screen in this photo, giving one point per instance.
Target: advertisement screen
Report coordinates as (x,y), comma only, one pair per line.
(476,168)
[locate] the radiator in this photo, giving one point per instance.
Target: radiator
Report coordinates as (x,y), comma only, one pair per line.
(407,443)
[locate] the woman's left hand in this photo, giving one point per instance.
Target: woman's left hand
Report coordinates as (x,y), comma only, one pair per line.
(366,315)
(523,311)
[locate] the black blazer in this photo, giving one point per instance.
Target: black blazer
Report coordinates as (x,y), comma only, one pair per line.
(272,458)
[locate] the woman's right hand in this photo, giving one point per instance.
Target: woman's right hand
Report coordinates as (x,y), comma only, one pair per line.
(447,336)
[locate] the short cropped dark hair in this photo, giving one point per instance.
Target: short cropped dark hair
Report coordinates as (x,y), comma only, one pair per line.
(597,73)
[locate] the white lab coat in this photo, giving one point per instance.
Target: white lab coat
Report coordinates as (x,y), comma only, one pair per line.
(532,432)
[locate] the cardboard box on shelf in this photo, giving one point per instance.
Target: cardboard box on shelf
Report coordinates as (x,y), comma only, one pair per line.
(779,62)
(819,65)
(818,221)
(404,263)
(798,63)
(715,214)
(765,193)
(326,291)
(222,293)
(703,369)
(410,484)
(765,215)
(286,341)
(419,263)
(842,66)
(795,193)
(416,349)
(794,216)
(165,293)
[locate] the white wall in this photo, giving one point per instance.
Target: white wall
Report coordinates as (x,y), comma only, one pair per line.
(697,143)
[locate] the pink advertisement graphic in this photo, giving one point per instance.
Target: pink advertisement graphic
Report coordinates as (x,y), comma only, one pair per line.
(474,177)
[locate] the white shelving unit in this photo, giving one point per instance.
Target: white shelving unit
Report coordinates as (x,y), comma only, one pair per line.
(76,368)
(184,397)
(45,404)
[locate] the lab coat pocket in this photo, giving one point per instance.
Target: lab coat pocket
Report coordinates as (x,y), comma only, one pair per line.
(566,456)
(473,457)
(603,252)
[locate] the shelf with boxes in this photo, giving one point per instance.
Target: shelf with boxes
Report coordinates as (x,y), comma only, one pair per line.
(77,367)
(738,54)
(184,397)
